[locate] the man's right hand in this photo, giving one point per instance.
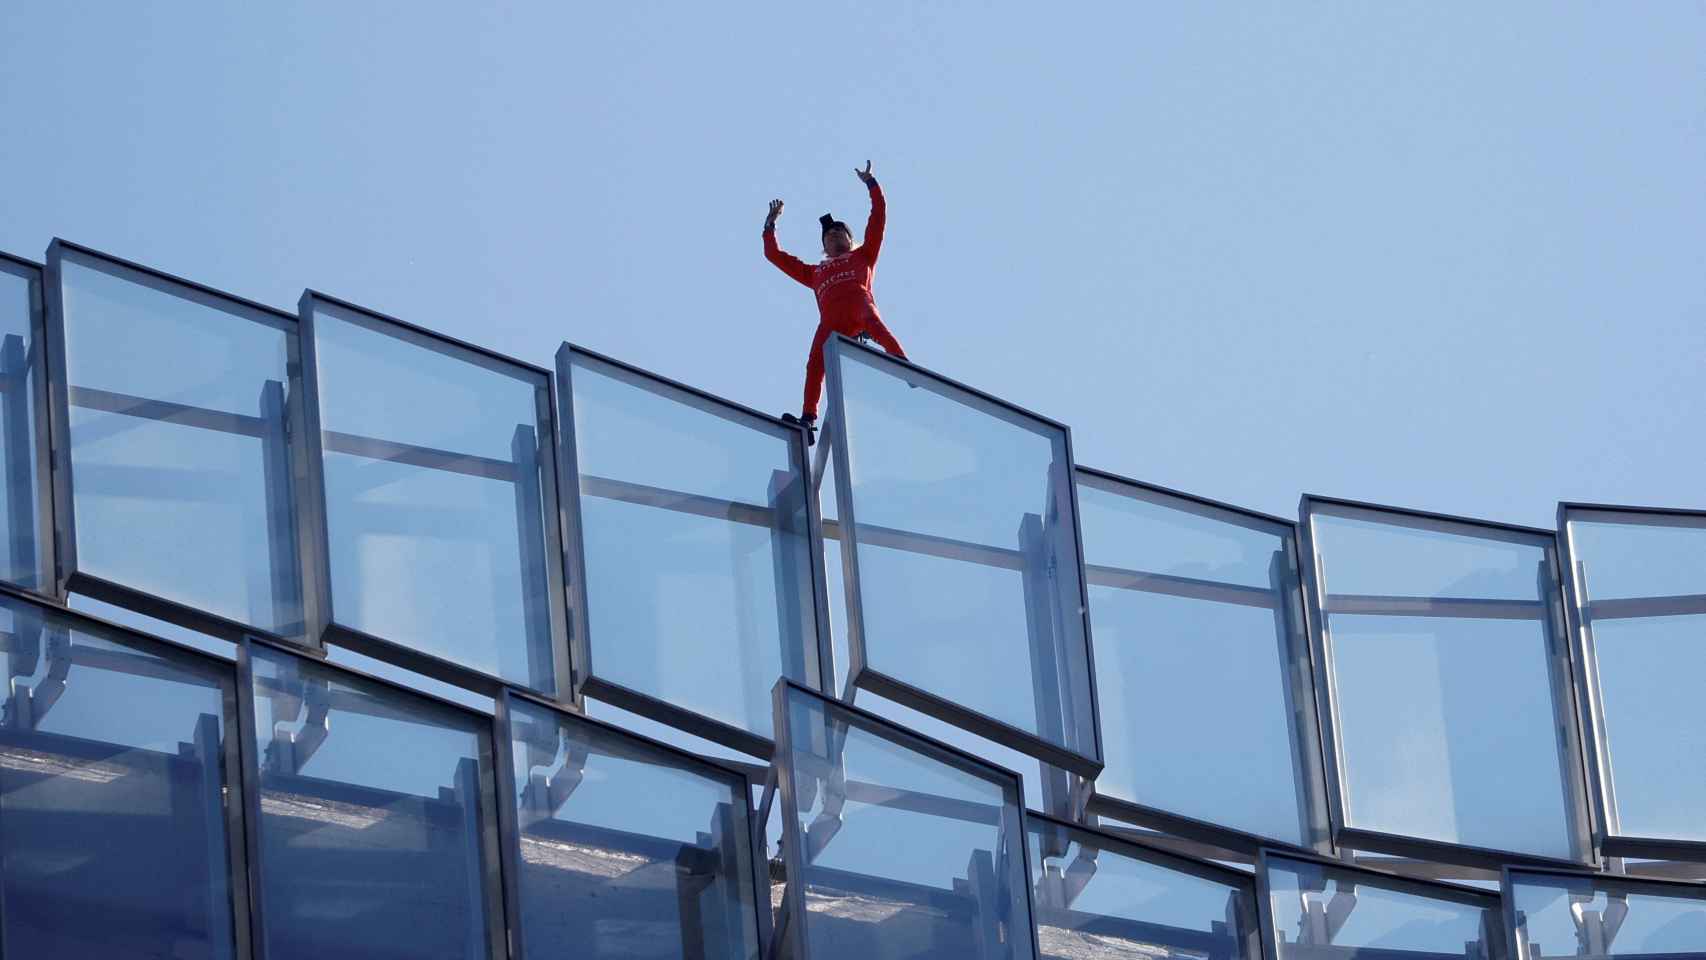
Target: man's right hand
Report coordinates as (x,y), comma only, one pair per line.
(775,211)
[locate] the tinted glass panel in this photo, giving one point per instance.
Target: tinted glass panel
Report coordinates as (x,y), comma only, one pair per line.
(1449,681)
(1194,611)
(1560,916)
(903,852)
(627,851)
(434,504)
(698,563)
(1319,912)
(1096,899)
(112,769)
(967,549)
(179,418)
(20,308)
(374,808)
(1641,594)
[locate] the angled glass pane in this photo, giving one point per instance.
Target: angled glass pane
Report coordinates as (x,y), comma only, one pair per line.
(436,462)
(1321,912)
(1640,593)
(113,831)
(22,531)
(1451,689)
(627,850)
(967,549)
(1097,897)
(179,409)
(896,849)
(1575,915)
(375,811)
(1194,605)
(697,550)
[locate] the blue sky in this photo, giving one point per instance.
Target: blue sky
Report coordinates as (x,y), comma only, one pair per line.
(1442,256)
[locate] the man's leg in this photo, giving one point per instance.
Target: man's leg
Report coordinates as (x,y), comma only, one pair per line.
(814,373)
(885,339)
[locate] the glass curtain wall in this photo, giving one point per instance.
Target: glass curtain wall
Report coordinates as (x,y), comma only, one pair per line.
(896,847)
(957,520)
(1449,683)
(1638,590)
(1203,673)
(627,849)
(439,510)
(696,585)
(377,832)
(27,522)
(116,755)
(177,406)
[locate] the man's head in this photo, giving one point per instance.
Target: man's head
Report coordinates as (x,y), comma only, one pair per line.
(837,239)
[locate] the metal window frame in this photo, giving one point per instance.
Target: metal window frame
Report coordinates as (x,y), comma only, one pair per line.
(739,780)
(1596,747)
(323,624)
(793,843)
(859,671)
(245,912)
(1306,733)
(490,865)
(68,577)
(1571,762)
(1485,900)
(46,563)
(1676,889)
(575,565)
(1132,849)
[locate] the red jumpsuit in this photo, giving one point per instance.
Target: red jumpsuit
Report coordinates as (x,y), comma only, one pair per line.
(843,287)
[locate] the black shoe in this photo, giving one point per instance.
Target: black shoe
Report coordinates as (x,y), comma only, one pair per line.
(810,423)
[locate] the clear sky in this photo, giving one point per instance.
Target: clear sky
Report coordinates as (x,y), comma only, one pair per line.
(1438,255)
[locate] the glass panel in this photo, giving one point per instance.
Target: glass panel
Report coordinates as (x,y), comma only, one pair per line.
(1565,916)
(112,820)
(20,307)
(1191,611)
(1448,681)
(374,807)
(627,851)
(967,550)
(434,504)
(1031,771)
(1641,590)
(905,852)
(1095,899)
(698,564)
(179,418)
(1320,912)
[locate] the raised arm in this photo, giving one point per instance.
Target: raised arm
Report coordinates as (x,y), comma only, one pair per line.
(879,215)
(786,262)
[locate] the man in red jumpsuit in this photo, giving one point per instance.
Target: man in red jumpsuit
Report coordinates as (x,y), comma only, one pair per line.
(842,283)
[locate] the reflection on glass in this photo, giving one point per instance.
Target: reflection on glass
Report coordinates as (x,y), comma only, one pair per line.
(20,306)
(1096,898)
(1448,681)
(1559,915)
(435,471)
(1201,673)
(1319,912)
(627,851)
(179,417)
(698,564)
(373,818)
(967,556)
(112,770)
(906,851)
(1641,595)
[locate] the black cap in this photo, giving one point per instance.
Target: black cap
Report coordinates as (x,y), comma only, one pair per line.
(830,223)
